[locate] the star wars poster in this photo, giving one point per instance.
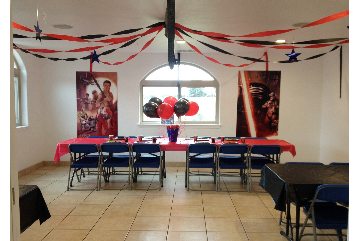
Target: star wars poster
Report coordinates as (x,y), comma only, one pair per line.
(97,100)
(258,103)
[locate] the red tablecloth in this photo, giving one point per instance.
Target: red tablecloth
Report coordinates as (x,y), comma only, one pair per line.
(180,145)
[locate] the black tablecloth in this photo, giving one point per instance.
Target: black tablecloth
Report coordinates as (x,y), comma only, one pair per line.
(299,180)
(32,206)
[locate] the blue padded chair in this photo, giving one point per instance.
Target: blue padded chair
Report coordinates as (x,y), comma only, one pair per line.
(151,158)
(291,163)
(232,156)
(260,155)
(118,156)
(201,155)
(80,159)
(339,163)
(324,215)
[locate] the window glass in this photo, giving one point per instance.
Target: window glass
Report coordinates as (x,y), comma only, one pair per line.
(195,84)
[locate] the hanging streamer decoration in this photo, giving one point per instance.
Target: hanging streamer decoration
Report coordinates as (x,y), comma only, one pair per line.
(103,40)
(127,41)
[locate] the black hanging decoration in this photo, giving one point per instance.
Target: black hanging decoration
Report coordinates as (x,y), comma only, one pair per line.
(170,25)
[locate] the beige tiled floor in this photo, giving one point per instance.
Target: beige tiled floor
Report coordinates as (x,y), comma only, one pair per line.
(145,213)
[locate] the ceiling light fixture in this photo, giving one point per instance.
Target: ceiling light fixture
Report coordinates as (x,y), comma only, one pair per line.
(181,42)
(280,41)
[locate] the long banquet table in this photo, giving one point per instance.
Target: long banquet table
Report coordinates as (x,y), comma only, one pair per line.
(288,183)
(180,145)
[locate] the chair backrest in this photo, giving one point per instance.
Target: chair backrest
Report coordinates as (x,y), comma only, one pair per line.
(233,149)
(308,163)
(266,149)
(339,163)
(114,147)
(333,193)
(202,148)
(146,148)
(98,136)
(83,148)
(134,137)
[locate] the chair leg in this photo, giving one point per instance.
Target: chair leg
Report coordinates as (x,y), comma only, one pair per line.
(68,188)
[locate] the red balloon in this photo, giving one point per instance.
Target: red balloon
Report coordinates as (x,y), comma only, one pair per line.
(170,100)
(165,111)
(193,108)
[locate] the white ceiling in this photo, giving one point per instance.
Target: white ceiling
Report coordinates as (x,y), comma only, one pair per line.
(232,17)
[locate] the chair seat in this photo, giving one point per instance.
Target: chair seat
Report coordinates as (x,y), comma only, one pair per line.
(117,161)
(231,163)
(201,162)
(258,163)
(86,162)
(147,162)
(325,216)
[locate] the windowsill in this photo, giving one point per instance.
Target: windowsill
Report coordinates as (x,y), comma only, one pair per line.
(21,128)
(191,126)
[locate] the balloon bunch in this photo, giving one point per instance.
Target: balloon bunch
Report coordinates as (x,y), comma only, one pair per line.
(156,108)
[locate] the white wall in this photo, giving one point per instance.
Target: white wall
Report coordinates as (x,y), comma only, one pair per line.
(335,109)
(52,105)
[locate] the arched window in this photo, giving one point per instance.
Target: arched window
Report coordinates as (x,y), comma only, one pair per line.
(184,81)
(21,111)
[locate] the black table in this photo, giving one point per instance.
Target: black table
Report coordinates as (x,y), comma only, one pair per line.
(32,206)
(297,183)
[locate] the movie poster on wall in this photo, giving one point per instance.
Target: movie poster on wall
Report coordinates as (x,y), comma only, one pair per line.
(258,103)
(97,99)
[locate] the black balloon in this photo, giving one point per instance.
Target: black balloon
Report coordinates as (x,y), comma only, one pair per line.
(150,110)
(181,107)
(184,99)
(156,100)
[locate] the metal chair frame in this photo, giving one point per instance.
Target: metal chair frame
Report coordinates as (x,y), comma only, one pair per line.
(268,153)
(109,161)
(335,193)
(200,149)
(83,150)
(150,150)
(236,153)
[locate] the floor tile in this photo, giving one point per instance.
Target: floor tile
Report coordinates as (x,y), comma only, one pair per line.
(89,210)
(229,236)
(78,222)
(147,236)
(66,235)
(154,210)
(220,211)
(121,210)
(150,223)
(261,225)
(187,211)
(114,223)
(189,236)
(224,224)
(187,224)
(106,235)
(253,212)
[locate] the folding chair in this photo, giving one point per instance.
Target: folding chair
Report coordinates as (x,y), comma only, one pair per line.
(201,156)
(79,159)
(324,215)
(260,155)
(232,156)
(152,158)
(118,156)
(307,163)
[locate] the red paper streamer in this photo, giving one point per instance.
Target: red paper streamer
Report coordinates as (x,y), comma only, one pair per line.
(328,19)
(84,49)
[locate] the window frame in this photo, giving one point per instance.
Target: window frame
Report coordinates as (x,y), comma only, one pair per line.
(174,83)
(20,73)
